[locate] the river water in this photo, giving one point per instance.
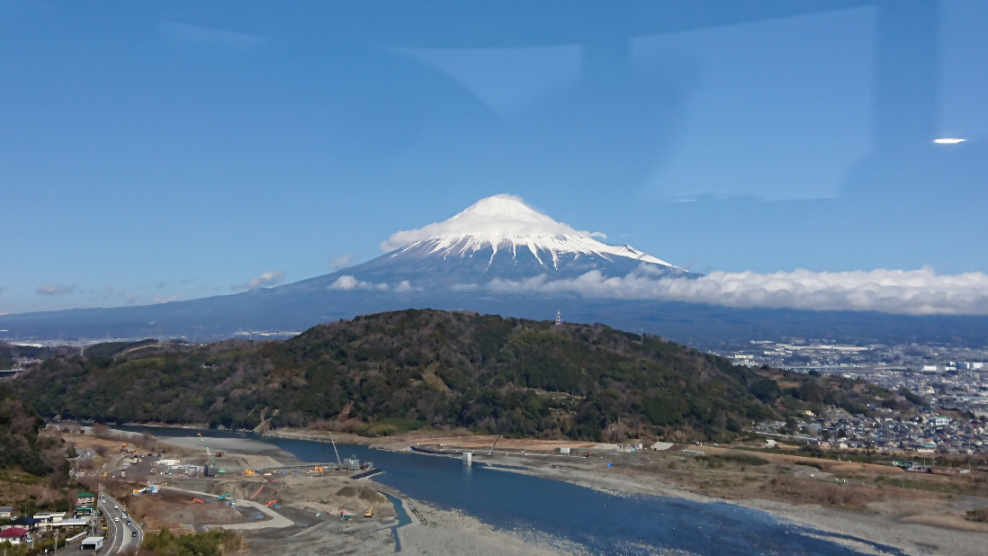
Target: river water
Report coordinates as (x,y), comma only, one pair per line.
(602,523)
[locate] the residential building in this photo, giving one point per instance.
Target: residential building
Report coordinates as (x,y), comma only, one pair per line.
(15,535)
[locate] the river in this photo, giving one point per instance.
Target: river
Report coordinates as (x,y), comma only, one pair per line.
(603,523)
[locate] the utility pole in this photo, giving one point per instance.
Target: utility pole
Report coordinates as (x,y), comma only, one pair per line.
(96,510)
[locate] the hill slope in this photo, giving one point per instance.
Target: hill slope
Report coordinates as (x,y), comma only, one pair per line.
(394,371)
(20,446)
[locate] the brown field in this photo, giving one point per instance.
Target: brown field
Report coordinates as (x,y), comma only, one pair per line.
(177,511)
(527,444)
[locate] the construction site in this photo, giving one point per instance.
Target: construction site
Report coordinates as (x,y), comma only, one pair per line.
(267,495)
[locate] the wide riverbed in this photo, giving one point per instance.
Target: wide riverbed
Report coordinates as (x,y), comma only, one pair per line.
(602,523)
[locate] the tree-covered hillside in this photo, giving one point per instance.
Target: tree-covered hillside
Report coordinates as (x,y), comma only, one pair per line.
(388,372)
(9,353)
(20,447)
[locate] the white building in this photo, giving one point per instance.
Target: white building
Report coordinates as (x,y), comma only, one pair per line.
(92,543)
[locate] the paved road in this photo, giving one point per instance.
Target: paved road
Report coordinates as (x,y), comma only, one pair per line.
(120,535)
(83,455)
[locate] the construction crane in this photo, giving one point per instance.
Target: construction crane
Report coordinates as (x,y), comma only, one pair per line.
(338,462)
(211,458)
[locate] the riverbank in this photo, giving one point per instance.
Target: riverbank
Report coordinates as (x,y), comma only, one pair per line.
(311,503)
(882,528)
(436,532)
(254,453)
(868,520)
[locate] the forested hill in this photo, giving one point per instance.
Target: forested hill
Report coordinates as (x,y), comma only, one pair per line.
(384,373)
(9,353)
(20,447)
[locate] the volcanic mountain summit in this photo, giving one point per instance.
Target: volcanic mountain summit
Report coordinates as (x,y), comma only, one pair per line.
(497,256)
(497,238)
(505,222)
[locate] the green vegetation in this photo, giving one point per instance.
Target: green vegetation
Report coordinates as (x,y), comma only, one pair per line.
(938,486)
(20,447)
(979,515)
(39,546)
(394,372)
(739,459)
(34,474)
(109,349)
(8,353)
(742,460)
(213,543)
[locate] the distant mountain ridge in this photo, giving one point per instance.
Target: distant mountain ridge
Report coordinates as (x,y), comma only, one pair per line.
(492,257)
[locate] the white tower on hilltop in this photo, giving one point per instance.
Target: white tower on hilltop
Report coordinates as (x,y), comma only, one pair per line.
(559,318)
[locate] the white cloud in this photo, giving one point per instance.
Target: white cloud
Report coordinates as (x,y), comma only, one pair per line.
(56,289)
(266,280)
(405,286)
(339,262)
(160,298)
(916,292)
(347,283)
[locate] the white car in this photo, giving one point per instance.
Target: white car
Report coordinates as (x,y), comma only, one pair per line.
(116,519)
(115,508)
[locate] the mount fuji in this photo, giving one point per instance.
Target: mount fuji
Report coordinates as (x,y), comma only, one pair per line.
(497,256)
(495,239)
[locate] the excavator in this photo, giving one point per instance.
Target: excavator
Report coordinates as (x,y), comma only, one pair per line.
(198,501)
(370,512)
(249,473)
(272,503)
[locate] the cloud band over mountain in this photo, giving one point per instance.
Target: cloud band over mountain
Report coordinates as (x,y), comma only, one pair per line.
(912,292)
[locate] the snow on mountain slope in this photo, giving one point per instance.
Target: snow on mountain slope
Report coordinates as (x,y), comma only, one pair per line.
(504,223)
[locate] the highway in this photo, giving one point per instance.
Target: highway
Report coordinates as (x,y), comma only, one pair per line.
(119,534)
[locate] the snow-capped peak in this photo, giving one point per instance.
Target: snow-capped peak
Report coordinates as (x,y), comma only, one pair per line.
(506,222)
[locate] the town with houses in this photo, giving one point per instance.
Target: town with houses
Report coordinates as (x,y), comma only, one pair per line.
(65,526)
(952,382)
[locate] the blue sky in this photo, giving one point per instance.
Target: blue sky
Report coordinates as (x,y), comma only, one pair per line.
(153,151)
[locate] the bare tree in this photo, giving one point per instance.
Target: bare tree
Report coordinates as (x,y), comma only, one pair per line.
(101,431)
(101,450)
(146,441)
